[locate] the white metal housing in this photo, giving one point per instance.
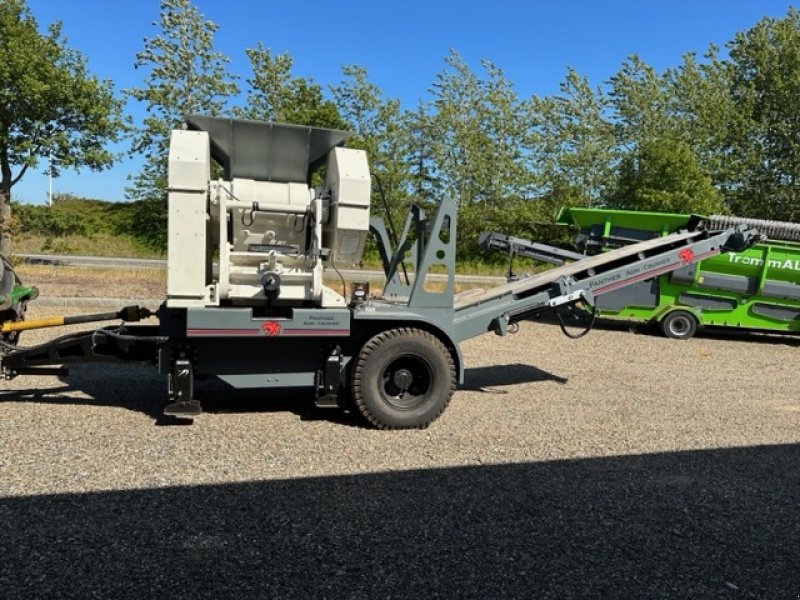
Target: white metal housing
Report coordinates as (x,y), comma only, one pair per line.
(260,231)
(188,254)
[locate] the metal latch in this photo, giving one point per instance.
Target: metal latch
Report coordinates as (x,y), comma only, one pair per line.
(567,298)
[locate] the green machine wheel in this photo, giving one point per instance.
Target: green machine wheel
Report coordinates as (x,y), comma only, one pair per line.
(679,325)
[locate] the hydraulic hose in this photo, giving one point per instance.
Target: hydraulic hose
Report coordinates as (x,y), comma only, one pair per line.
(589,325)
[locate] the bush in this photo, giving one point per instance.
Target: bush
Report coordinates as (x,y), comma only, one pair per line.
(46,221)
(70,215)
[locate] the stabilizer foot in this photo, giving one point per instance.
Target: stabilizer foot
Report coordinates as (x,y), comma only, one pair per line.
(181,391)
(183,409)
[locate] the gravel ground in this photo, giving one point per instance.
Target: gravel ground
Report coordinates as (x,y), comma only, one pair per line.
(620,465)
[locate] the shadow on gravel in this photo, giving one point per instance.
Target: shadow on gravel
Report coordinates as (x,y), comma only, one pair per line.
(702,524)
(140,388)
(135,387)
(478,379)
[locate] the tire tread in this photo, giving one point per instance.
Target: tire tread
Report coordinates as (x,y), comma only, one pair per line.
(369,349)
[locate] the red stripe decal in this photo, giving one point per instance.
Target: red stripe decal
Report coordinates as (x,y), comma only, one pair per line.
(285,332)
(316,331)
(223,331)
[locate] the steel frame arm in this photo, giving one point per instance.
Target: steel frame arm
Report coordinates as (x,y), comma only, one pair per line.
(108,344)
(514,246)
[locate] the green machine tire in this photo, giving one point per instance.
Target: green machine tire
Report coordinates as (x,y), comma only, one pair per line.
(679,325)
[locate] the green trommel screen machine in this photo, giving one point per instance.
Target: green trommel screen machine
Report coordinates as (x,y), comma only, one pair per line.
(756,288)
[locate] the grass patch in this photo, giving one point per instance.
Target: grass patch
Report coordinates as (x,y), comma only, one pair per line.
(99,244)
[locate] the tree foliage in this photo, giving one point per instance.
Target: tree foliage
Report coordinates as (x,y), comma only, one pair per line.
(183,75)
(664,175)
(473,145)
(573,143)
(765,61)
(715,133)
(707,117)
(476,134)
(50,105)
(70,215)
(641,105)
(276,95)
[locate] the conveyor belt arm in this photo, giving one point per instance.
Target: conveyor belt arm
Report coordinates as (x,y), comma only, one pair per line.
(495,309)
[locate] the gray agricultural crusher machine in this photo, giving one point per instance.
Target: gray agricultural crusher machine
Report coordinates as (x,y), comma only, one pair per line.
(247,300)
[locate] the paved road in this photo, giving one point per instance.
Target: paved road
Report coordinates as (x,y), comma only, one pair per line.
(149,263)
(616,466)
(92,261)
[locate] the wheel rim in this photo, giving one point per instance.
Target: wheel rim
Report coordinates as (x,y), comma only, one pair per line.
(406,382)
(680,326)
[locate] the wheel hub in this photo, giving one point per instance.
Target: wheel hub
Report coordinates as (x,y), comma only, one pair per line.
(679,326)
(406,382)
(403,379)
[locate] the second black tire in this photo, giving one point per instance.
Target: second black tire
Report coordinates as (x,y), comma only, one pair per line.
(403,378)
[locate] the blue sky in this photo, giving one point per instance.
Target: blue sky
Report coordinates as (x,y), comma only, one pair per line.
(402,44)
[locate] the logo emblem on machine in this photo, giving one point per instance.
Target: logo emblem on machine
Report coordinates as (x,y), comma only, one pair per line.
(686,255)
(271,328)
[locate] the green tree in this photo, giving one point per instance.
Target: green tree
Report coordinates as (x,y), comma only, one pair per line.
(765,61)
(642,105)
(664,175)
(573,142)
(184,75)
(379,128)
(475,130)
(739,116)
(708,117)
(276,95)
(49,104)
(421,163)
(683,114)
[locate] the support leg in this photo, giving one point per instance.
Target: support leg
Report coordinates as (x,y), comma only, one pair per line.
(181,391)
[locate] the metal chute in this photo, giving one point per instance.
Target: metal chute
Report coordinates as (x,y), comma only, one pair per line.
(267,151)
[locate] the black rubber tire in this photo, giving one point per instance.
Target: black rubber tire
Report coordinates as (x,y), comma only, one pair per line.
(679,325)
(403,379)
(13,316)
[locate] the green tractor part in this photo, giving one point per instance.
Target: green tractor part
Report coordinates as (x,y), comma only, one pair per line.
(14,298)
(756,288)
